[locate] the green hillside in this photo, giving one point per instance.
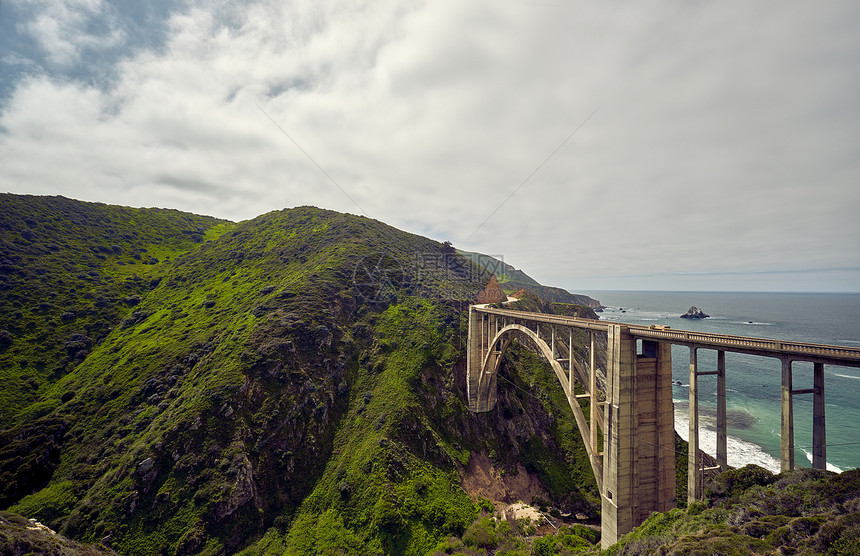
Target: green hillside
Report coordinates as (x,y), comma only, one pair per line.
(253,387)
(751,511)
(69,272)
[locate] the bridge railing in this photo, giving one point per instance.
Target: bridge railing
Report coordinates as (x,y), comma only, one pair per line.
(576,322)
(799,351)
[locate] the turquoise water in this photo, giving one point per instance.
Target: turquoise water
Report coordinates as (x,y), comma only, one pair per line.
(753,383)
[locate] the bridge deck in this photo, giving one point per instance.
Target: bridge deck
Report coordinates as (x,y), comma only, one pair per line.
(796,351)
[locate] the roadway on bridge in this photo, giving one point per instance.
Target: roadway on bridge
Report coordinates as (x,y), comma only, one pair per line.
(796,351)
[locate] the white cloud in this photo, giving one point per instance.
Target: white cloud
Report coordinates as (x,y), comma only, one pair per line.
(726,138)
(64,29)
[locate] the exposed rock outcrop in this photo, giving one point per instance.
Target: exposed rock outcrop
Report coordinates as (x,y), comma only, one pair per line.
(695,313)
(492,293)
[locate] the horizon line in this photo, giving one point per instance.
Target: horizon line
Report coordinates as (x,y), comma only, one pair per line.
(805,292)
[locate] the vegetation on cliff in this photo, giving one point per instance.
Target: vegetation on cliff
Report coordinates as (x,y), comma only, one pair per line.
(69,273)
(240,392)
(20,536)
(751,511)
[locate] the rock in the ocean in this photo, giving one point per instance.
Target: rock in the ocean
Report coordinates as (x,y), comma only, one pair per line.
(694,313)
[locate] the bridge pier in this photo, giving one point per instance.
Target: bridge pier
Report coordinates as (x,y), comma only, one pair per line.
(786,436)
(694,457)
(819,444)
(480,387)
(639,443)
(695,467)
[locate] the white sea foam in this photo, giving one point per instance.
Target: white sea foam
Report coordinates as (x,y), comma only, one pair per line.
(830,466)
(847,376)
(739,452)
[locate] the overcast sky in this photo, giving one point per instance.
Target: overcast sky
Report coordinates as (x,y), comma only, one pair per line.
(662,145)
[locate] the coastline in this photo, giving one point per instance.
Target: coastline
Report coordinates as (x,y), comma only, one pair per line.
(740,452)
(754,382)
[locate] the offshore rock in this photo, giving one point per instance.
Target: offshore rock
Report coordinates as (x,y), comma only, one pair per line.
(695,313)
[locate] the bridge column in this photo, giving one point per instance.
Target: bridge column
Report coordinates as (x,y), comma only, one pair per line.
(819,444)
(665,410)
(617,494)
(477,343)
(654,426)
(639,436)
(592,385)
(786,437)
(722,435)
(694,455)
(570,367)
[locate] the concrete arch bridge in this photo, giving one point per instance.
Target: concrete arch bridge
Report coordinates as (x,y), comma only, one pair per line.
(633,413)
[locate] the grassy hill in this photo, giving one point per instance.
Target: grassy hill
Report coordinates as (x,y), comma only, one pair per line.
(69,272)
(251,385)
(751,511)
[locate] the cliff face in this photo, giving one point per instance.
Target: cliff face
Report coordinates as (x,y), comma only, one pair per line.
(294,382)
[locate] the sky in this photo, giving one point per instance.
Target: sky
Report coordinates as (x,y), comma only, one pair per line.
(658,145)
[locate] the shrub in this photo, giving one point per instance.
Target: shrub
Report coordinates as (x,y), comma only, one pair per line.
(282,523)
(735,481)
(481,534)
(50,503)
(486,505)
(544,546)
(581,531)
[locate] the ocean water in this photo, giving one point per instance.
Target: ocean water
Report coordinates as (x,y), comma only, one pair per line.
(753,383)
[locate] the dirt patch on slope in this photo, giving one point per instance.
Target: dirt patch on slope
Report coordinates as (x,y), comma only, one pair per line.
(482,478)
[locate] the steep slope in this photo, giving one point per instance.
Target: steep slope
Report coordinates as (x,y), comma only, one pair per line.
(297,381)
(69,273)
(68,270)
(19,536)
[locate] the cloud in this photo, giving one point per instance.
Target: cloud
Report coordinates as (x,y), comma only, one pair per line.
(64,29)
(726,139)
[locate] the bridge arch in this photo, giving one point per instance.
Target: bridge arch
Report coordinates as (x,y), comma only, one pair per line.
(500,342)
(486,385)
(635,471)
